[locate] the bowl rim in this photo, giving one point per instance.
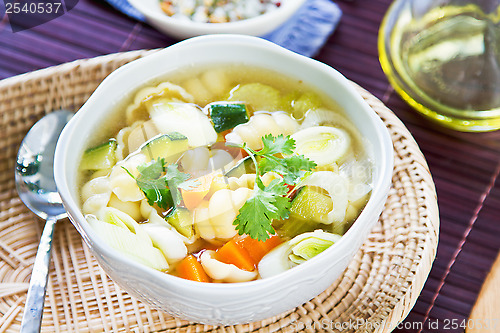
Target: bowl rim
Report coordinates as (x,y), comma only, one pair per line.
(288,8)
(380,186)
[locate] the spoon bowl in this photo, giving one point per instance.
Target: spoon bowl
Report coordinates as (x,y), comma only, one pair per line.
(35,184)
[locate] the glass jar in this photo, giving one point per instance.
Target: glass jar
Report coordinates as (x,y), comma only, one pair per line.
(443,58)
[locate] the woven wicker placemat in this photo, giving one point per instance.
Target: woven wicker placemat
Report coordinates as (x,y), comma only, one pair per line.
(374,294)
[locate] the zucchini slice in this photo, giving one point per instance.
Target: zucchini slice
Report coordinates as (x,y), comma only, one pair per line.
(182,220)
(100,157)
(294,226)
(244,166)
(226,116)
(308,212)
(168,146)
(312,205)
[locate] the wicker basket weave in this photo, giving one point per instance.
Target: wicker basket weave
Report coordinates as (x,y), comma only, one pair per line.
(374,294)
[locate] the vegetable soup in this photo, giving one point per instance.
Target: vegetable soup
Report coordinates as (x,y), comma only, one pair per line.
(226,174)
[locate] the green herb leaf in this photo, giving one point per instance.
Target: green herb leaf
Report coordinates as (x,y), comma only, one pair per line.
(279,190)
(297,166)
(177,180)
(160,184)
(277,145)
(271,202)
(258,212)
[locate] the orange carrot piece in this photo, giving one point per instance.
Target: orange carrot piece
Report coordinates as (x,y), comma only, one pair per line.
(193,197)
(233,253)
(243,153)
(253,247)
(272,242)
(258,249)
(190,268)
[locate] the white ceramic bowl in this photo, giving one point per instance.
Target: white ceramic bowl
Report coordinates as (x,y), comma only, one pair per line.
(216,303)
(256,26)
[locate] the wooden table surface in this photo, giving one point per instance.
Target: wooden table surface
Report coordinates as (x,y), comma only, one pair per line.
(488,304)
(465,166)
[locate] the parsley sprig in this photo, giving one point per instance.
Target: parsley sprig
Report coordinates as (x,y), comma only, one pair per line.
(271,202)
(161,183)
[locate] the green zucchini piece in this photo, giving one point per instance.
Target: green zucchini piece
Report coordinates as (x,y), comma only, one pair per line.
(182,220)
(260,97)
(310,204)
(100,157)
(168,146)
(309,209)
(227,116)
(244,166)
(294,226)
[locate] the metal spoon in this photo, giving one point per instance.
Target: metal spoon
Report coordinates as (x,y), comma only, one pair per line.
(37,189)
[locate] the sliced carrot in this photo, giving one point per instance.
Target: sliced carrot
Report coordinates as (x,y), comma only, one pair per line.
(258,249)
(253,247)
(189,268)
(193,197)
(234,253)
(243,153)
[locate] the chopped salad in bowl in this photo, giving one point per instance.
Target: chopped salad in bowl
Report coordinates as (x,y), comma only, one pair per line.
(188,18)
(218,11)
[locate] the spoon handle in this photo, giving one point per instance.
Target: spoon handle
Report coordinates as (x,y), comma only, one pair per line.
(33,310)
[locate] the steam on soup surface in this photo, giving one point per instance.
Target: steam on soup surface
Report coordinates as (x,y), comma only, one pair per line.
(227,175)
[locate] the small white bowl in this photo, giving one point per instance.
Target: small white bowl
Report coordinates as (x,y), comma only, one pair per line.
(216,303)
(256,26)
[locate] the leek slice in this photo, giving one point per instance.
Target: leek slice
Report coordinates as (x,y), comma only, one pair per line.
(129,244)
(324,145)
(117,217)
(310,244)
(295,251)
(308,248)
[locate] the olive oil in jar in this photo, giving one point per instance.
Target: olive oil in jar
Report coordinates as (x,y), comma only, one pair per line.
(446,64)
